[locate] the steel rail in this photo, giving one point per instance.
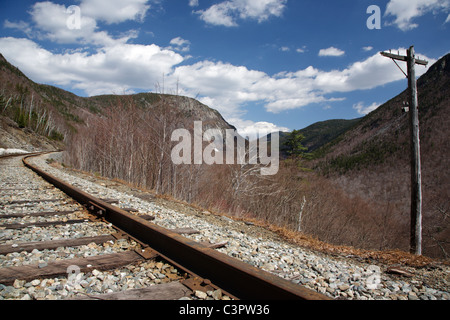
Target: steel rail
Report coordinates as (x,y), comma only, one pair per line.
(242,280)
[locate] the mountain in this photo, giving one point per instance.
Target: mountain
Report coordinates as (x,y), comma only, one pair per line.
(383,134)
(372,159)
(53,114)
(320,133)
(317,134)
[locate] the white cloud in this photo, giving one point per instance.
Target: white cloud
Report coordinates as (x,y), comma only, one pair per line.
(221,85)
(193,3)
(21,26)
(367,74)
(363,110)
(248,128)
(331,52)
(228,88)
(115,11)
(219,15)
(121,67)
(405,11)
(227,12)
(260,9)
(50,22)
(368,48)
(180,44)
(116,69)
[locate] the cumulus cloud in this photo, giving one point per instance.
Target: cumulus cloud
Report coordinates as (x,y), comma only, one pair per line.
(405,11)
(117,69)
(363,110)
(180,44)
(193,3)
(21,26)
(50,21)
(227,12)
(115,11)
(219,14)
(227,87)
(253,130)
(331,52)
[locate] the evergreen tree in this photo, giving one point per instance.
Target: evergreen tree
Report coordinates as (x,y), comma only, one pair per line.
(293,144)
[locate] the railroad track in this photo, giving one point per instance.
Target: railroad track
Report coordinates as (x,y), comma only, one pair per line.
(57,241)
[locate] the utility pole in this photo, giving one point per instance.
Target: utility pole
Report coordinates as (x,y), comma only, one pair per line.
(416,174)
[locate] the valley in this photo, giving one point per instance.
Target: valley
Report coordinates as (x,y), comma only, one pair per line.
(353,191)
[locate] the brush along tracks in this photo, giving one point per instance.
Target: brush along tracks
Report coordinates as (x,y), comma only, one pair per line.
(54,248)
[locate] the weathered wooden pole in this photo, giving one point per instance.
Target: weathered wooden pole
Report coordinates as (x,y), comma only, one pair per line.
(416,174)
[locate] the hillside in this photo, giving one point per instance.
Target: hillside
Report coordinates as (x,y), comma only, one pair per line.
(371,160)
(321,133)
(317,134)
(51,115)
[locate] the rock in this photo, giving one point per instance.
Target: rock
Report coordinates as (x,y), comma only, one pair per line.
(269,266)
(399,271)
(18,283)
(31,290)
(40,295)
(344,287)
(412,296)
(217,294)
(287,259)
(35,282)
(227,219)
(200,294)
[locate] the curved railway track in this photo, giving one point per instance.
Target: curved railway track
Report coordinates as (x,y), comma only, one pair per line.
(53,228)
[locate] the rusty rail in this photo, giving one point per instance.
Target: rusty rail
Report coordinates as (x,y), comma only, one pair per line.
(236,277)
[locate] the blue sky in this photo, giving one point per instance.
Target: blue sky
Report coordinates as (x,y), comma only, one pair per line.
(264,64)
